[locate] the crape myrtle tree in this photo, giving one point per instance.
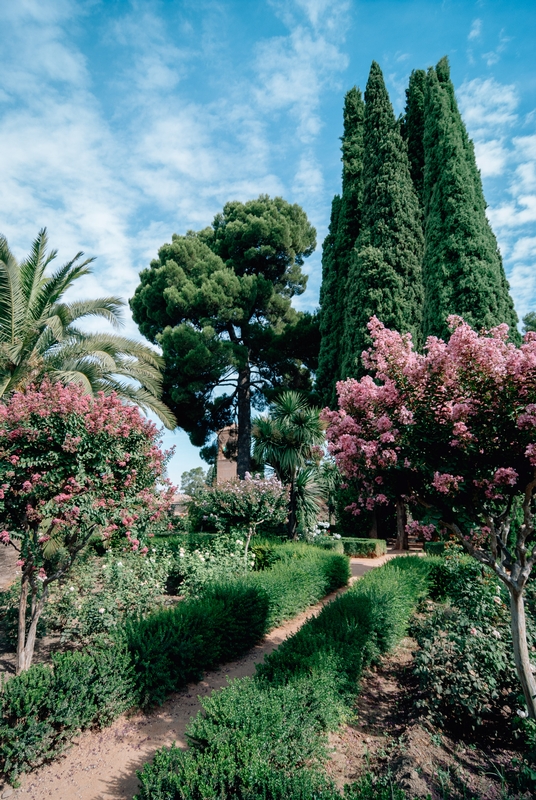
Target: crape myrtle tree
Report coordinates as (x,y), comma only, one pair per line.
(384,277)
(454,429)
(337,249)
(462,268)
(218,302)
(72,467)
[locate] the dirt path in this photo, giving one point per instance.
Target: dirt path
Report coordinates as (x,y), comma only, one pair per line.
(101,765)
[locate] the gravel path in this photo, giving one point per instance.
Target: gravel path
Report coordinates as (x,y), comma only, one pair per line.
(101,765)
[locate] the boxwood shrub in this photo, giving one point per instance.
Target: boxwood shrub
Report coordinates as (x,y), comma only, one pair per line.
(364,548)
(45,707)
(266,737)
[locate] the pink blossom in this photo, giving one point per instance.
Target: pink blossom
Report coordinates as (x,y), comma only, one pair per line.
(505,475)
(445,482)
(5,538)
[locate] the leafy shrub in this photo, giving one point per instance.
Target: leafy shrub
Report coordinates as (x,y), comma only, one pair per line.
(364,548)
(434,548)
(43,708)
(221,558)
(464,664)
(329,543)
(173,647)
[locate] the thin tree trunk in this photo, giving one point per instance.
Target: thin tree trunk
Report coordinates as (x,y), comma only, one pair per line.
(401,522)
(373,532)
(21,634)
(244,421)
(292,515)
(521,651)
(26,644)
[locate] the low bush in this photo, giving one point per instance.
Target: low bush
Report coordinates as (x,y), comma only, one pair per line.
(329,543)
(434,548)
(266,737)
(364,548)
(174,647)
(464,662)
(43,708)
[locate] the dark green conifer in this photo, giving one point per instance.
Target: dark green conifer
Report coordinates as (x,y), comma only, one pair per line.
(385,273)
(462,268)
(338,248)
(413,128)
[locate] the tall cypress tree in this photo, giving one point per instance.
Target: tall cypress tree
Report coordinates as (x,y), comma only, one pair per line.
(413,128)
(385,273)
(337,249)
(462,267)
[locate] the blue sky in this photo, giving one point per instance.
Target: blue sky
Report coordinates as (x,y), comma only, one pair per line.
(124,122)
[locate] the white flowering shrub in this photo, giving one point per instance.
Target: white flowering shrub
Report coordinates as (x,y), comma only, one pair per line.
(102,592)
(222,559)
(244,505)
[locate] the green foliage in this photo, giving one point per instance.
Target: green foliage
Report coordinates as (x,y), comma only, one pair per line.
(434,548)
(174,647)
(413,128)
(193,480)
(462,268)
(364,548)
(267,737)
(44,707)
(464,665)
(219,558)
(384,278)
(337,249)
(219,304)
(288,440)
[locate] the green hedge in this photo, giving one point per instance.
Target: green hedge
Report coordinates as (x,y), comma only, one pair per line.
(328,543)
(265,738)
(434,548)
(364,548)
(42,709)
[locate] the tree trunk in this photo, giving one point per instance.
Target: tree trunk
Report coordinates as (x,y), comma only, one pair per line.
(244,421)
(373,532)
(292,512)
(521,651)
(401,522)
(26,643)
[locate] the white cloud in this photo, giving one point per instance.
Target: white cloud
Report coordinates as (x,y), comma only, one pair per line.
(491,157)
(487,104)
(476,29)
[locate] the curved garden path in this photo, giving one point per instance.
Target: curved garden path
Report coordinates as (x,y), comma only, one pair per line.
(101,765)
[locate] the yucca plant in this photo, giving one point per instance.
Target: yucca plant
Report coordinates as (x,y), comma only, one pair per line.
(39,335)
(286,440)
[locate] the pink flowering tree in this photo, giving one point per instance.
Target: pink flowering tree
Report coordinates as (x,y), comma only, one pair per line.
(453,432)
(72,467)
(244,504)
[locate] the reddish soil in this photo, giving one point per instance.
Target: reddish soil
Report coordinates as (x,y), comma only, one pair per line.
(387,737)
(101,765)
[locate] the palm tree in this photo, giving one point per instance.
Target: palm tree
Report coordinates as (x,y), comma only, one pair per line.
(285,441)
(39,335)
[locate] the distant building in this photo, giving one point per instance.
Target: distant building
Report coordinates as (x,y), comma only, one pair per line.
(226,461)
(179,505)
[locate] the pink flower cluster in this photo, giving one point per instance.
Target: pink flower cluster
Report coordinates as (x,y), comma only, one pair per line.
(457,419)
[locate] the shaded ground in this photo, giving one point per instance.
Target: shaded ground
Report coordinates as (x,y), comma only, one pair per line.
(101,765)
(387,737)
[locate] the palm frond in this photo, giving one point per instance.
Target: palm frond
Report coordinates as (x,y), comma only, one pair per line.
(12,304)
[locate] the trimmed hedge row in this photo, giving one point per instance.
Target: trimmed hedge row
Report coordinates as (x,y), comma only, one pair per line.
(364,548)
(265,738)
(44,708)
(358,548)
(434,548)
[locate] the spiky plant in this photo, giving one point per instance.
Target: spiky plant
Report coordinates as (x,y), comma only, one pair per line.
(39,334)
